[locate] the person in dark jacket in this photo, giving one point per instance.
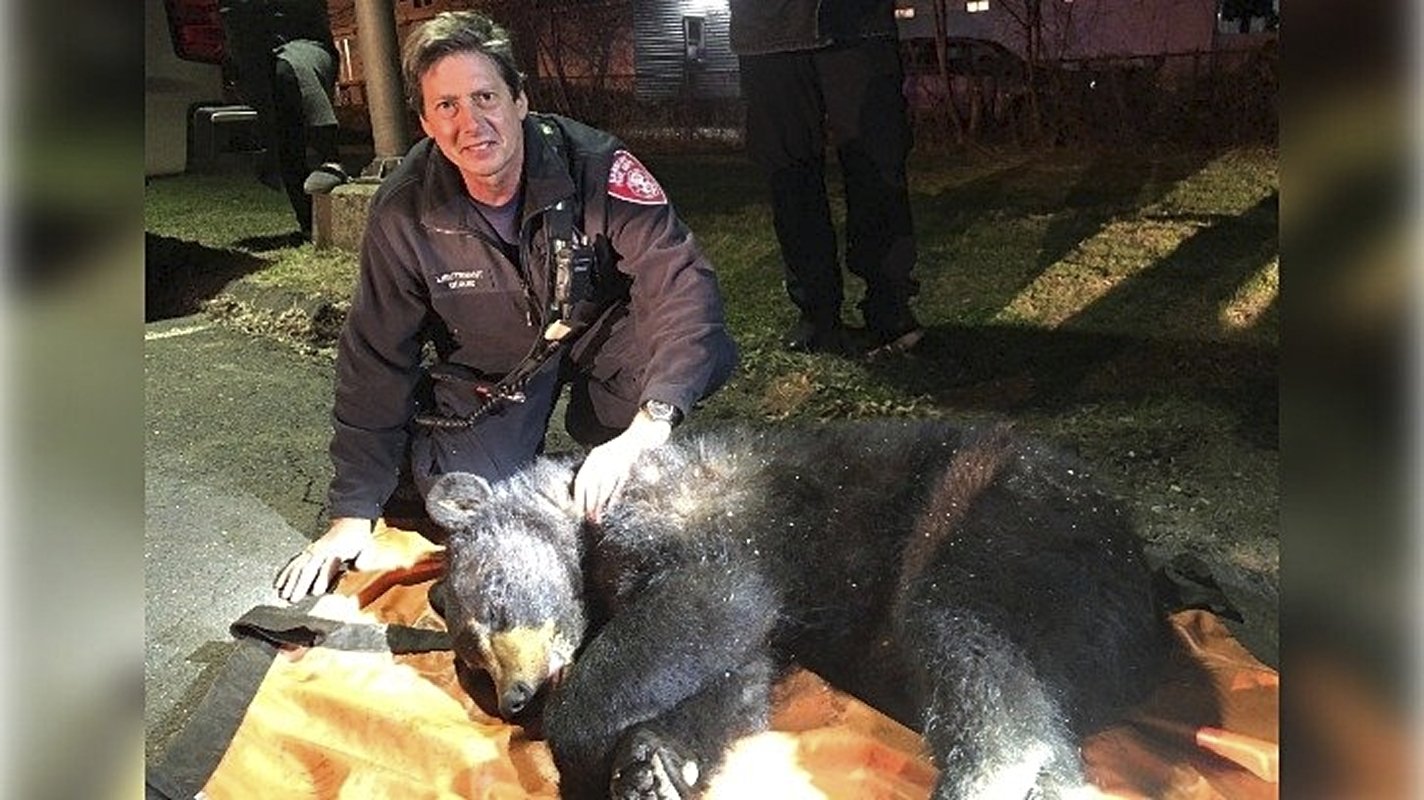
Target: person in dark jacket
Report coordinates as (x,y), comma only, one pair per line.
(283,60)
(530,251)
(809,67)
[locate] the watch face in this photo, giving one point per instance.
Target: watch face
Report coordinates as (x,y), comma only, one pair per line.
(661,411)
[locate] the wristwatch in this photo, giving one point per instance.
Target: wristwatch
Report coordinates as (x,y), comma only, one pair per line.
(662,411)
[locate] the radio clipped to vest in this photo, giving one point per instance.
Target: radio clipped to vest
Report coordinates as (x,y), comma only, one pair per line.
(573,261)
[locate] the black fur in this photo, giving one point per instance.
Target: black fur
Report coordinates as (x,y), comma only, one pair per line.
(976,586)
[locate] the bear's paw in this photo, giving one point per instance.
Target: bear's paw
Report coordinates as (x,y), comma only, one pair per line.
(649,767)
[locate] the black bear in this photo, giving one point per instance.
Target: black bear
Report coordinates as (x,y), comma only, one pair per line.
(979,587)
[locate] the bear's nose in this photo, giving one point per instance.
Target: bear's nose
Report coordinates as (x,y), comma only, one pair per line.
(515,699)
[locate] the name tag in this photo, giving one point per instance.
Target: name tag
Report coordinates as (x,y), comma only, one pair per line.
(478,279)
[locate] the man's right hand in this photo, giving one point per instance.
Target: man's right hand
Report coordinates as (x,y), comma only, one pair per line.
(315,568)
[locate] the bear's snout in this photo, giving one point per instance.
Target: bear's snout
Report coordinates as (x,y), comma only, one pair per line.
(515,698)
(520,661)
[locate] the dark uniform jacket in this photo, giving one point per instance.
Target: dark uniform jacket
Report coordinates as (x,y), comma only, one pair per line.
(431,267)
(779,26)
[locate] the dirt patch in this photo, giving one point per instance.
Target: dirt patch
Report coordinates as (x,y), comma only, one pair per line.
(309,323)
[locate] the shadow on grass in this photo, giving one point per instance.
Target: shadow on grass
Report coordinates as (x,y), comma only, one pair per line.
(1207,269)
(1109,187)
(1157,334)
(180,275)
(1078,201)
(710,185)
(1010,369)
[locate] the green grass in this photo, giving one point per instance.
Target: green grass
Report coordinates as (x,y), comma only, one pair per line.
(1041,255)
(306,270)
(219,211)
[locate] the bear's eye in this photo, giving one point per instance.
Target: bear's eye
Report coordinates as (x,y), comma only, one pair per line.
(492,619)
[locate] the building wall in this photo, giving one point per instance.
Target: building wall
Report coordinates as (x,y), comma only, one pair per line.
(593,40)
(1093,28)
(351,74)
(660,52)
(1081,28)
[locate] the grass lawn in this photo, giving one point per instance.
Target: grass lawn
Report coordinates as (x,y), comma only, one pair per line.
(1125,304)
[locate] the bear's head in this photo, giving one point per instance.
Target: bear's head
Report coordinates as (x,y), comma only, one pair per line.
(514,584)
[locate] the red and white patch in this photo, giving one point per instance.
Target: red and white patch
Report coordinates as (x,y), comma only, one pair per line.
(629,180)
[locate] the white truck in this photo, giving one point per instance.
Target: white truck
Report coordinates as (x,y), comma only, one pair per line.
(190,117)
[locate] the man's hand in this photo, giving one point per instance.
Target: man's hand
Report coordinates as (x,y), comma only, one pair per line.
(607,466)
(314,569)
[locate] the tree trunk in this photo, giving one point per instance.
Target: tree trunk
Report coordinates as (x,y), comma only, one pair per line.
(956,121)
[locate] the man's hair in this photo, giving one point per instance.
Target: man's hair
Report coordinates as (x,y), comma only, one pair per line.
(451,32)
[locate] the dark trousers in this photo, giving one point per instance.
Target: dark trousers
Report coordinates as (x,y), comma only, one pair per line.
(291,136)
(502,443)
(852,92)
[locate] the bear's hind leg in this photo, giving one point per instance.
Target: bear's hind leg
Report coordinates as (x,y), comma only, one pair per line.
(991,724)
(674,756)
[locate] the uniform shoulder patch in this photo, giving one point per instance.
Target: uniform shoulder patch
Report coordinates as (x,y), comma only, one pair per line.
(629,180)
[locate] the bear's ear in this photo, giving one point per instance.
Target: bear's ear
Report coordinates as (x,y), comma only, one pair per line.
(454,497)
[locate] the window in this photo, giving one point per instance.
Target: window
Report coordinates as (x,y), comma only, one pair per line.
(1248,16)
(694,37)
(976,6)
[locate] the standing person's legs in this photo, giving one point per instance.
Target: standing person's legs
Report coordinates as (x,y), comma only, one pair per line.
(305,85)
(322,139)
(786,139)
(867,116)
(291,137)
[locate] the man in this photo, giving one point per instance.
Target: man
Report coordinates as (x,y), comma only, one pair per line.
(284,62)
(530,251)
(806,66)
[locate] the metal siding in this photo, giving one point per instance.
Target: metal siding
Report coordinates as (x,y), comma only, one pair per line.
(662,72)
(718,75)
(657,48)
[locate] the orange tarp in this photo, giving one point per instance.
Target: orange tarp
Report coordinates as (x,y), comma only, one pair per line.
(337,724)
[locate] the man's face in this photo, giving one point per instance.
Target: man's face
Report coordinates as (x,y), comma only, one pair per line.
(475,122)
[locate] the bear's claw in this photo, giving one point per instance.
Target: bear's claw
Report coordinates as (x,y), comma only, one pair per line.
(648,768)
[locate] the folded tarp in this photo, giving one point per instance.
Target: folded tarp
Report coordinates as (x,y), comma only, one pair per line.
(356,696)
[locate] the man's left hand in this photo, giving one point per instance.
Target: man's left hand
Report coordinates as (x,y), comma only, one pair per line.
(606,468)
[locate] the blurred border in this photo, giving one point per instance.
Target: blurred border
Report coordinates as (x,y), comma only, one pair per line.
(1349,408)
(73,398)
(1350,400)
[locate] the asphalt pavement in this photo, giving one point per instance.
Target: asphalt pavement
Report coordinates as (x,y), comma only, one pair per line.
(235,477)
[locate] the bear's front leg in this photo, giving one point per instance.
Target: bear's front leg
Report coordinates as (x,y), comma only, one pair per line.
(693,626)
(674,756)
